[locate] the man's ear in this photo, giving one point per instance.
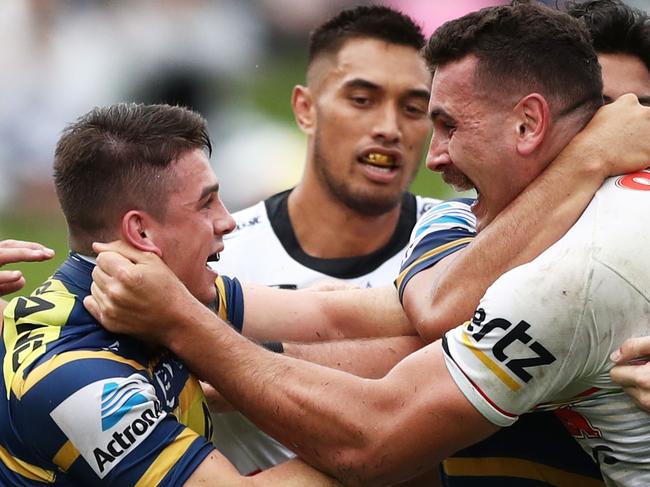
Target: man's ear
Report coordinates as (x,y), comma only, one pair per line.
(533,117)
(136,231)
(303,107)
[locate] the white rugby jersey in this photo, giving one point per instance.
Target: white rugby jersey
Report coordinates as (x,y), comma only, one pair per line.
(263,249)
(543,332)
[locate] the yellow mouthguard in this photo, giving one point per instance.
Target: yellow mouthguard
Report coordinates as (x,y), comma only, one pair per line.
(379,159)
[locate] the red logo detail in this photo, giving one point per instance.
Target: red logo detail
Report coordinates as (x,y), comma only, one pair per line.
(576,424)
(639,181)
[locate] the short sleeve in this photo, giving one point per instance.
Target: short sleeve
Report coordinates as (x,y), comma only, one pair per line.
(231,301)
(442,230)
(524,345)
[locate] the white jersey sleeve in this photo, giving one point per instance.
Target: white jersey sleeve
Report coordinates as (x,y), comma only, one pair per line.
(524,343)
(543,333)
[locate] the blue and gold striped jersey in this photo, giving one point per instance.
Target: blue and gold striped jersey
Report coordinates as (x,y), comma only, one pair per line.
(441,231)
(84,406)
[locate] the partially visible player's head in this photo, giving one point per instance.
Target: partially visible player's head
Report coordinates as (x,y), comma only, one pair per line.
(141,173)
(512,84)
(621,37)
(364,107)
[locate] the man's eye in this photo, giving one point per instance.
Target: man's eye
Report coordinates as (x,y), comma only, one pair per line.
(360,100)
(208,202)
(415,110)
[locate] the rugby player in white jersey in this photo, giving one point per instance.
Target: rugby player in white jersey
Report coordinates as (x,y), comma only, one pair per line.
(621,37)
(364,111)
(417,413)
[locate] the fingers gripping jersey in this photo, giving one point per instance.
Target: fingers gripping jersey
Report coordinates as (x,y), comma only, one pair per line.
(86,407)
(442,230)
(543,333)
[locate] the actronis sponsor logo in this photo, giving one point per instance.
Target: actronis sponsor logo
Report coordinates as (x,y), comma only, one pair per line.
(109,418)
(122,441)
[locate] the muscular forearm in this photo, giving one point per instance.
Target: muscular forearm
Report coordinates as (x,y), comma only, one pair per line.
(311,316)
(334,420)
(371,358)
(290,403)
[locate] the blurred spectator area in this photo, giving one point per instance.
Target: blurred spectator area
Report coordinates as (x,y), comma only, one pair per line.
(235,61)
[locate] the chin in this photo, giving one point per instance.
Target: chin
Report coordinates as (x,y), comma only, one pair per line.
(206,290)
(206,296)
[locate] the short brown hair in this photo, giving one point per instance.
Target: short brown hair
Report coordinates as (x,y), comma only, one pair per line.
(117,158)
(524,48)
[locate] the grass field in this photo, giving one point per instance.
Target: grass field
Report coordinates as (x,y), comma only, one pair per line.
(46,229)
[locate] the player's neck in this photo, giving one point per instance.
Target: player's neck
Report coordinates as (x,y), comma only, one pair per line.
(327,229)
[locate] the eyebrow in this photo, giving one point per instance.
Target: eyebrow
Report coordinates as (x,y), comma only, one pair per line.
(439,113)
(361,83)
(214,188)
(369,85)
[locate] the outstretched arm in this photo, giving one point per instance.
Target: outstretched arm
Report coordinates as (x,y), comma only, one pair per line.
(336,421)
(614,142)
(370,357)
(310,316)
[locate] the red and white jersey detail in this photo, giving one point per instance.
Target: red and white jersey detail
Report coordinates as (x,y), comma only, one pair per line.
(543,334)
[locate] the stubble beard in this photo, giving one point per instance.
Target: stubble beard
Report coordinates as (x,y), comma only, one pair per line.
(363,201)
(455,178)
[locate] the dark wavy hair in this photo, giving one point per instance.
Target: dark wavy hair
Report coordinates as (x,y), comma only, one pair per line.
(524,48)
(615,28)
(117,158)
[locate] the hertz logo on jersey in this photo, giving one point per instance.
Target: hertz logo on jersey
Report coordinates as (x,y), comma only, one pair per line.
(125,413)
(526,351)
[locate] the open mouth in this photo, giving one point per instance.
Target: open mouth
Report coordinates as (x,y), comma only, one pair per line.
(213,258)
(382,162)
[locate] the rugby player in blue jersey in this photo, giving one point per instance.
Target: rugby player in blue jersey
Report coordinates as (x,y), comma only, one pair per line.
(373,410)
(87,407)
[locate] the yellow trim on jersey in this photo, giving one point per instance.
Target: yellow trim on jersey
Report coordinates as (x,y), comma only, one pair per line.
(515,467)
(167,459)
(27,470)
(491,364)
(222,307)
(190,406)
(20,387)
(66,456)
(428,254)
(34,342)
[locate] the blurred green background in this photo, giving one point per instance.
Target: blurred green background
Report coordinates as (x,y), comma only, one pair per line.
(235,61)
